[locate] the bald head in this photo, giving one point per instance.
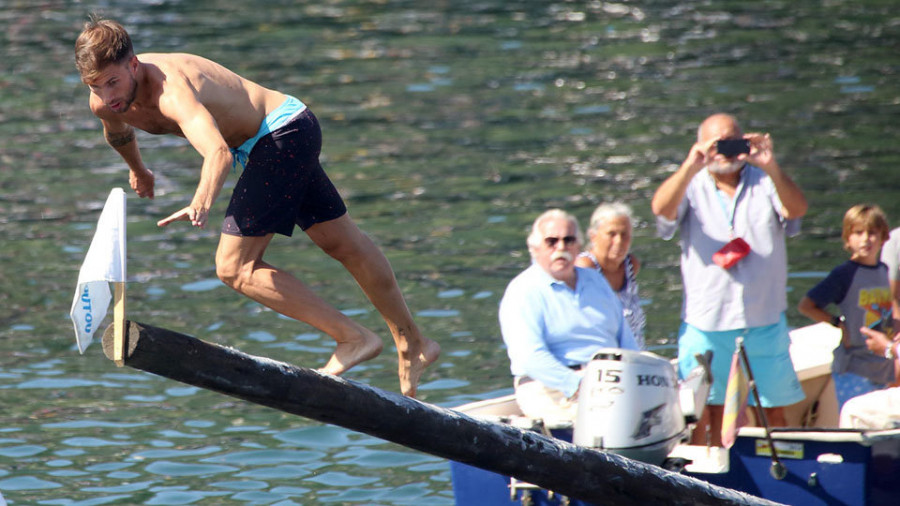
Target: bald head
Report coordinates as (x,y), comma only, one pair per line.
(719,126)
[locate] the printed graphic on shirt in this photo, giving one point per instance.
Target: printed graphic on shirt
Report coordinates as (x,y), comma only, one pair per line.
(876,302)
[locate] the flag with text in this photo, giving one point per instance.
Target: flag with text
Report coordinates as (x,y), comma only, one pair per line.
(104,263)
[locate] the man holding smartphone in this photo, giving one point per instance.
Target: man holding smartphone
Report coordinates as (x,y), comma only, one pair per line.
(731,200)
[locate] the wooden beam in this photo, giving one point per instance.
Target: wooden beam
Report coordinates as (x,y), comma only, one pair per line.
(576,472)
(119,324)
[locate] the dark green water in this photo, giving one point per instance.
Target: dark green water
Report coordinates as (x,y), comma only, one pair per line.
(448,127)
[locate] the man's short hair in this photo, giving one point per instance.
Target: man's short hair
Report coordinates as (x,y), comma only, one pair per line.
(869,216)
(535,237)
(103,42)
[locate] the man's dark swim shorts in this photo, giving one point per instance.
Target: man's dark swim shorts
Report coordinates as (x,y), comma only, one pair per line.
(283,183)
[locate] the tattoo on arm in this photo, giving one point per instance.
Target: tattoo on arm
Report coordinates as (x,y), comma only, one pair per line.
(120,139)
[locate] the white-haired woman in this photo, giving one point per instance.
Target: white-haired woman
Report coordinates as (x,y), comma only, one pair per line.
(609,236)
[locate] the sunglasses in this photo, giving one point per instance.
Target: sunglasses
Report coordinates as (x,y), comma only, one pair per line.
(567,240)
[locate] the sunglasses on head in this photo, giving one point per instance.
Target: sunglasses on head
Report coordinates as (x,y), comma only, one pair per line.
(567,240)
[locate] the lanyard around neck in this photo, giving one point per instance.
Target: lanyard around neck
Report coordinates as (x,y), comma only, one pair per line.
(729,210)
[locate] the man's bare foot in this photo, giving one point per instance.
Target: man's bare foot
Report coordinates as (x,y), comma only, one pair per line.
(413,363)
(349,353)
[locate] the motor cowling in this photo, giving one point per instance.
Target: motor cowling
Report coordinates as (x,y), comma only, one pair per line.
(628,404)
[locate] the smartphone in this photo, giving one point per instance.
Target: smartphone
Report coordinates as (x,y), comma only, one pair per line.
(730,148)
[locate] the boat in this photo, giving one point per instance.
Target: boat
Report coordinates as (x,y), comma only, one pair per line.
(815,462)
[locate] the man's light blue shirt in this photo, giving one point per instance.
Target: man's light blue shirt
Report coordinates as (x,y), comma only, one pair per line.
(753,293)
(548,326)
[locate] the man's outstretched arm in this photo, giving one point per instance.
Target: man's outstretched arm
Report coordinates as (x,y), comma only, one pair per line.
(200,129)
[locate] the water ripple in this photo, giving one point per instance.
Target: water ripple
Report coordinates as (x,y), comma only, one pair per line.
(92,424)
(145,398)
(291,491)
(382,459)
(444,384)
(174,497)
(66,473)
(338,479)
(168,454)
(62,383)
(92,442)
(261,336)
(438,313)
(266,457)
(182,391)
(109,466)
(204,285)
(22,451)
(288,471)
(167,468)
(27,483)
(130,487)
(257,497)
(322,437)
(179,434)
(241,485)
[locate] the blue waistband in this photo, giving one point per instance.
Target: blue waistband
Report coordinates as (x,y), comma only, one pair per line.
(276,119)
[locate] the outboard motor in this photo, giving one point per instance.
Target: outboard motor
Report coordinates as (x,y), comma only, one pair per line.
(628,404)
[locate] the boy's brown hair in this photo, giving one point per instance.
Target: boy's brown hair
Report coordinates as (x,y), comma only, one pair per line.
(102,42)
(866,215)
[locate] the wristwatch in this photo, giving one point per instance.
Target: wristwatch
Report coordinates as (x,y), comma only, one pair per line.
(889,351)
(836,320)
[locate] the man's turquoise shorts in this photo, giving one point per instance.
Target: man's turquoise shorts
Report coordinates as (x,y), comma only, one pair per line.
(768,350)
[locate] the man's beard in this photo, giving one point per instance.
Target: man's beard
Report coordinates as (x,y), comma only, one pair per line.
(131,96)
(725,168)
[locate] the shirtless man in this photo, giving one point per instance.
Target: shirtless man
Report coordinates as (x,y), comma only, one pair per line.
(230,120)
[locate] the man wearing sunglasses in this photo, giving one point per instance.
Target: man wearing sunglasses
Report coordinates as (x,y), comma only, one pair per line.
(554,316)
(734,206)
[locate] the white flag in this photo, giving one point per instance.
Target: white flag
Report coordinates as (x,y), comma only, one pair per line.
(104,263)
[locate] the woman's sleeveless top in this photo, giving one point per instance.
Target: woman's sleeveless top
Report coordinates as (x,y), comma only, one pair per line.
(628,296)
